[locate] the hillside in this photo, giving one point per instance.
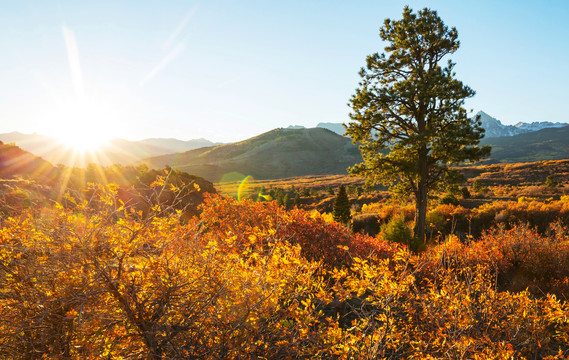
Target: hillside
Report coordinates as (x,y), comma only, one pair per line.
(518,174)
(276,154)
(279,153)
(16,162)
(116,151)
(282,153)
(546,144)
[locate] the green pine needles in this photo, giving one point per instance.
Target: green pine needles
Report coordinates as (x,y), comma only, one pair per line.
(341,211)
(408,111)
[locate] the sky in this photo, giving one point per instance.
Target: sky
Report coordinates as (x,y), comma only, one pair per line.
(229,70)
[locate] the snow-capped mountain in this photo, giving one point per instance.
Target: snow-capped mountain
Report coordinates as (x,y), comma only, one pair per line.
(495,128)
(535,126)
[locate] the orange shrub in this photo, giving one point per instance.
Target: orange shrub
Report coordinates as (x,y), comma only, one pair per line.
(519,257)
(536,213)
(387,211)
(236,283)
(446,219)
(331,243)
(109,284)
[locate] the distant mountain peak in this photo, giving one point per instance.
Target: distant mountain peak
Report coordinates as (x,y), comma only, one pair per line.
(338,128)
(495,128)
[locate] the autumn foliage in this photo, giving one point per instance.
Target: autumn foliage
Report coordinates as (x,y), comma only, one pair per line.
(450,219)
(247,280)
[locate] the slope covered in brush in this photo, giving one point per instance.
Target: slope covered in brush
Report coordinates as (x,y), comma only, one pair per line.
(275,154)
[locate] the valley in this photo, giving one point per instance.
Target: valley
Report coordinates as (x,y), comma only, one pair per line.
(240,180)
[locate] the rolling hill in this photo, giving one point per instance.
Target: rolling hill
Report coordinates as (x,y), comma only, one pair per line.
(279,153)
(15,162)
(275,154)
(282,153)
(116,151)
(545,144)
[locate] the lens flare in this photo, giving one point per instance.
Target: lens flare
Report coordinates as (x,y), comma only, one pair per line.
(243,187)
(265,197)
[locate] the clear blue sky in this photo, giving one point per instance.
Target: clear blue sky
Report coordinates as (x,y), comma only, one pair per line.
(229,70)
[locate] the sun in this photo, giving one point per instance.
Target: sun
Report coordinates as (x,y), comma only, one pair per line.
(81,142)
(83,126)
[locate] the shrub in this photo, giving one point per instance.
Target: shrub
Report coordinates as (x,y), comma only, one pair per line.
(550,181)
(449,199)
(451,219)
(465,193)
(519,258)
(368,224)
(352,189)
(397,230)
(435,223)
(318,239)
(478,187)
(248,280)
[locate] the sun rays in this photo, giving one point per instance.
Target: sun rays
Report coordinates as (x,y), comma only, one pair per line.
(81,122)
(81,119)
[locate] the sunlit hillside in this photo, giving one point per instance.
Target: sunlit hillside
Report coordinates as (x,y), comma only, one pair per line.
(279,153)
(16,162)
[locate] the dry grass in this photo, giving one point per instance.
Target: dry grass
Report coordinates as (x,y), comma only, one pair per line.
(310,182)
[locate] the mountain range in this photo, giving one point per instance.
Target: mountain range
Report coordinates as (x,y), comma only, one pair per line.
(294,151)
(284,153)
(116,151)
(493,127)
(546,144)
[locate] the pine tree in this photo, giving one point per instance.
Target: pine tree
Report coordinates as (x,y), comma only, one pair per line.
(408,112)
(550,181)
(341,210)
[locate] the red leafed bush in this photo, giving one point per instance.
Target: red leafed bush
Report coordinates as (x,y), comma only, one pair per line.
(519,257)
(331,243)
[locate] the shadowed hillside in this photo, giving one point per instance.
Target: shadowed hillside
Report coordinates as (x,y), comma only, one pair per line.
(546,144)
(17,162)
(283,153)
(276,154)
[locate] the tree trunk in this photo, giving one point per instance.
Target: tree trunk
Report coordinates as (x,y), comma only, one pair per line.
(421,202)
(420,218)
